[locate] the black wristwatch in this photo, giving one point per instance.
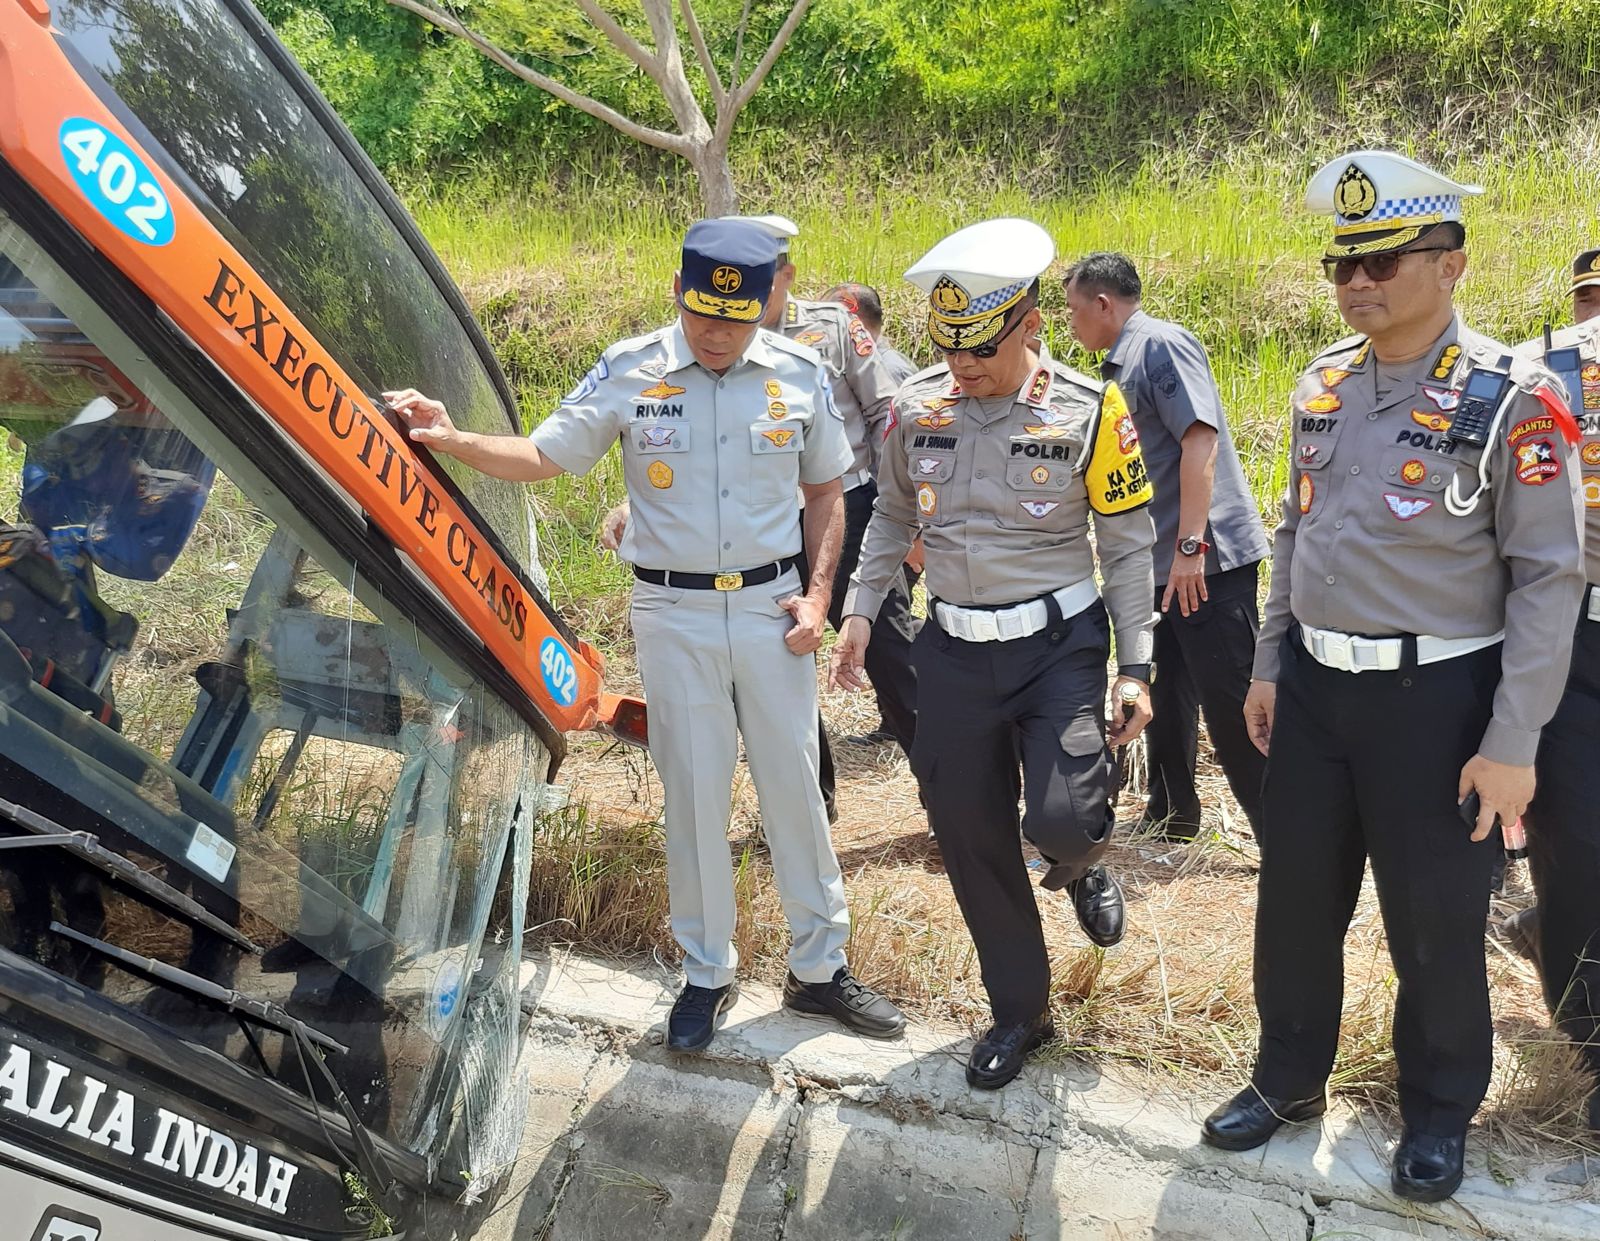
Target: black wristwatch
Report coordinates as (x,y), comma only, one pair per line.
(1193,547)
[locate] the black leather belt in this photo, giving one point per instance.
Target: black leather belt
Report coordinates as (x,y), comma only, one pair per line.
(717,581)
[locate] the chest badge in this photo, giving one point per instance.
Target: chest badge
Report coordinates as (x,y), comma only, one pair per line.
(813,337)
(1413,471)
(1591,453)
(1323,403)
(1038,509)
(1437,423)
(1406,507)
(778,439)
(659,474)
(1591,491)
(1040,475)
(661,391)
(1308,491)
(774,389)
(927,467)
(777,411)
(658,437)
(936,420)
(927,500)
(1309,454)
(1444,398)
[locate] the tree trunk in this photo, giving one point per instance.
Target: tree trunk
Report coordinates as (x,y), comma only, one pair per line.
(717,193)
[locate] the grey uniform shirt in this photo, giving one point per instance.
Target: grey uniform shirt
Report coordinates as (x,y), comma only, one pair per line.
(1585,404)
(1368,545)
(900,367)
(862,386)
(998,489)
(1166,378)
(712,463)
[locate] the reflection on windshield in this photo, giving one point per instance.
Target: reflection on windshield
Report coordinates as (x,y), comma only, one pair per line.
(183,676)
(269,176)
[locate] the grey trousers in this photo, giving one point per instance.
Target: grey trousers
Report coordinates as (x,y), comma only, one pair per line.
(714,663)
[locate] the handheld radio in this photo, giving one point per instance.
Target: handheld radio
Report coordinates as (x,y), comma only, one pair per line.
(1473,419)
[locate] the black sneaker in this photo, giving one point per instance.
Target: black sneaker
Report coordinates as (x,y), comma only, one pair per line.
(999,1055)
(695,1014)
(1097,898)
(847,999)
(878,736)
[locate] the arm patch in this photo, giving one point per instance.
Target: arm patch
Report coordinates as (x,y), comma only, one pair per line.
(1116,478)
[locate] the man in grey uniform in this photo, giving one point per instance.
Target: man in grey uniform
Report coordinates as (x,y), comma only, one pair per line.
(722,424)
(1425,584)
(862,300)
(999,458)
(1563,822)
(1209,541)
(1586,286)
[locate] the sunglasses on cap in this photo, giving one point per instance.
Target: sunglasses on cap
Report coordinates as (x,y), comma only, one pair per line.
(1379,267)
(993,347)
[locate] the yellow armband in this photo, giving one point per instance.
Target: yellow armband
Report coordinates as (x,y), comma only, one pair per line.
(1116,479)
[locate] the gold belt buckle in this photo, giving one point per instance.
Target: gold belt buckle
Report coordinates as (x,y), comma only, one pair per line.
(729,581)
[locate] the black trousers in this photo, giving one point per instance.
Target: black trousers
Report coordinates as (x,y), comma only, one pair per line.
(1367,765)
(888,658)
(982,705)
(1563,830)
(1203,664)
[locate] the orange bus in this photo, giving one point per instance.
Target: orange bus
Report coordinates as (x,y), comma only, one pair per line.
(280,695)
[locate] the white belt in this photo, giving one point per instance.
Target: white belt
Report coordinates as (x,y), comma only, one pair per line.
(858,479)
(1346,652)
(1018,621)
(1594,603)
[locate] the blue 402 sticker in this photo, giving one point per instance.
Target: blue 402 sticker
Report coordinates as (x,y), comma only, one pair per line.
(560,676)
(116,181)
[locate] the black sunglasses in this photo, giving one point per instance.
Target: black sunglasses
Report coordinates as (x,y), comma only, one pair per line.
(993,347)
(1379,267)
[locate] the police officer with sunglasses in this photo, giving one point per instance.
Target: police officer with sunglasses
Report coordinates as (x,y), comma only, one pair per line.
(999,457)
(1425,584)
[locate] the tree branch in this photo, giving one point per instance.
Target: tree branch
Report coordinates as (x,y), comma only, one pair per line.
(746,89)
(676,143)
(719,95)
(738,41)
(624,42)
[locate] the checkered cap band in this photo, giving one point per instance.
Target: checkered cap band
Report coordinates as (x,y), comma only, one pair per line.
(989,301)
(1441,206)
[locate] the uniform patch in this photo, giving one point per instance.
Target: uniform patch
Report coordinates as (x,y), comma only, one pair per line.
(1537,462)
(1542,425)
(927,500)
(1039,389)
(777,411)
(860,337)
(813,337)
(1309,454)
(1590,377)
(1446,362)
(777,438)
(774,388)
(892,421)
(658,437)
(655,368)
(1040,475)
(661,391)
(935,421)
(586,386)
(1406,507)
(927,466)
(1038,509)
(1591,491)
(659,474)
(1308,490)
(935,404)
(1333,376)
(1413,471)
(1323,403)
(1445,398)
(1359,357)
(1436,423)
(1591,454)
(1115,478)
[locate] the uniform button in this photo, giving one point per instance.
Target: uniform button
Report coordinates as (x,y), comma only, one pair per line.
(1338,525)
(977,473)
(1393,471)
(986,430)
(724,439)
(978,590)
(1329,579)
(1355,469)
(1372,417)
(726,546)
(722,383)
(724,493)
(1433,478)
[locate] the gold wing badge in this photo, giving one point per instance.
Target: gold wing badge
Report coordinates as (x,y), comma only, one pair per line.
(1116,478)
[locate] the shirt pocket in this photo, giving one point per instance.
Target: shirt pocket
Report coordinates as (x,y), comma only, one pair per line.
(929,472)
(1037,489)
(656,460)
(775,448)
(1413,485)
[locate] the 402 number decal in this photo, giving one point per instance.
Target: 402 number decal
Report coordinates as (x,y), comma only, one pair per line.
(560,676)
(116,181)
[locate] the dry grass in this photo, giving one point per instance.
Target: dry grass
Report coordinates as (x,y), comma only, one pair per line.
(1172,1002)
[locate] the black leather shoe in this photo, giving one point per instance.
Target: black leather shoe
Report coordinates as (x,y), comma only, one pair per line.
(1175,831)
(1097,897)
(1426,1168)
(999,1054)
(1520,933)
(878,736)
(847,999)
(695,1014)
(1248,1119)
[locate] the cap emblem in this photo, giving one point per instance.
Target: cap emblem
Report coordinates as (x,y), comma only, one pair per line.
(948,297)
(1355,195)
(726,279)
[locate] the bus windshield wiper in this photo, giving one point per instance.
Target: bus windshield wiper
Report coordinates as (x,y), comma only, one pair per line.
(308,1042)
(88,847)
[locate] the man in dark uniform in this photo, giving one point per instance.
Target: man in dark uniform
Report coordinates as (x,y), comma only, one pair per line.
(999,457)
(1209,542)
(1563,824)
(1425,584)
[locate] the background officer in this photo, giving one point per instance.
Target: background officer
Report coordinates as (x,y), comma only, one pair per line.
(1209,541)
(1586,286)
(1563,826)
(1424,588)
(999,459)
(862,300)
(721,424)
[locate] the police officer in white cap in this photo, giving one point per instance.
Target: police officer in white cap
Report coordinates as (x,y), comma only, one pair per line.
(721,425)
(1425,584)
(999,457)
